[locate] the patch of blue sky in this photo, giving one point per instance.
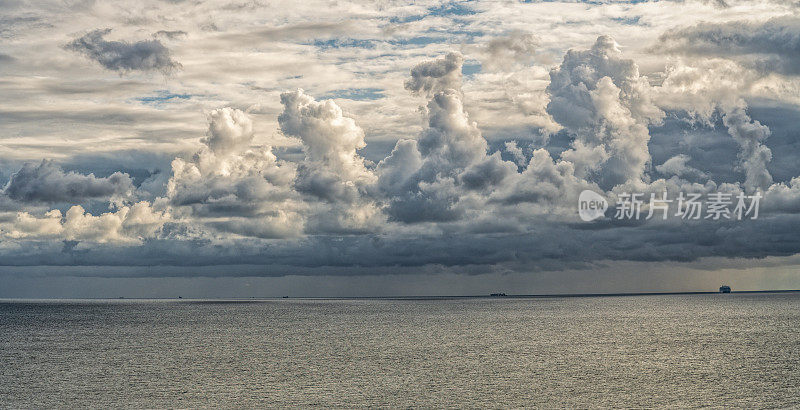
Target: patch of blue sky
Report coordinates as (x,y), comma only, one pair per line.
(454,8)
(406,19)
(628,21)
(162,97)
(445,37)
(430,36)
(344,43)
(356,94)
(457,35)
(461,21)
(418,41)
(471,68)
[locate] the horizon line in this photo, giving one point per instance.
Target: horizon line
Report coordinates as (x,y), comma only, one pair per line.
(413,297)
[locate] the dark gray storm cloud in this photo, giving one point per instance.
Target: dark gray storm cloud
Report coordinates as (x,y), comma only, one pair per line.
(551,247)
(771,46)
(123,56)
(47,182)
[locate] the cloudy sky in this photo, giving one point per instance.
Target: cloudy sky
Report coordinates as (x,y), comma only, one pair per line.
(335,148)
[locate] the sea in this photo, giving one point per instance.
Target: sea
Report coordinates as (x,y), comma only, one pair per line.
(712,350)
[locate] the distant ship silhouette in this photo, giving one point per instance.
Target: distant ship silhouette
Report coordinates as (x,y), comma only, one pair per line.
(724,289)
(497,294)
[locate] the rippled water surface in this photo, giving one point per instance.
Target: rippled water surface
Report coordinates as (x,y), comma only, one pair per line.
(678,350)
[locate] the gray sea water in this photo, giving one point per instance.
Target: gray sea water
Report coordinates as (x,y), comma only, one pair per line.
(638,351)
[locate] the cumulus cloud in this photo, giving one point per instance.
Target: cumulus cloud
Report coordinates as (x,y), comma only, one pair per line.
(129,224)
(488,173)
(449,144)
(783,197)
(677,166)
(754,155)
(123,56)
(430,77)
(714,87)
(601,99)
(396,170)
(229,131)
(47,182)
(332,170)
(450,141)
(232,187)
(515,151)
(544,181)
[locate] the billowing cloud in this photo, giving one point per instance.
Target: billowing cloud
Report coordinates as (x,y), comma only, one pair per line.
(430,77)
(677,166)
(448,157)
(754,155)
(713,87)
(47,182)
(230,131)
(123,56)
(599,97)
(231,186)
(332,170)
(549,183)
(516,152)
(127,224)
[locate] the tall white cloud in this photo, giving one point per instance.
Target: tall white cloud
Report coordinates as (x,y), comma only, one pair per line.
(430,77)
(234,187)
(753,154)
(603,101)
(332,170)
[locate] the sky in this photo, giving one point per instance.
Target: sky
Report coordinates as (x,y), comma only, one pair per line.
(159,148)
